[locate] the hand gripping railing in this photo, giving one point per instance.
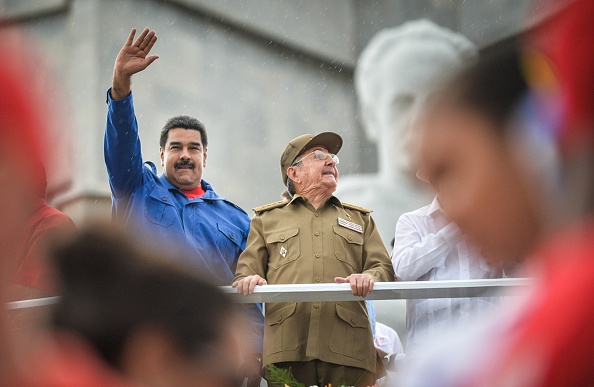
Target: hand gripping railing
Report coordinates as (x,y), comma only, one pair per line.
(342,292)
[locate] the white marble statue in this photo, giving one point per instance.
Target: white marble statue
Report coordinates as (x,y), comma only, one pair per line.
(395,73)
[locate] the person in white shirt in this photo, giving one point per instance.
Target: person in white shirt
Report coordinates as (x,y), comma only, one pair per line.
(428,246)
(389,347)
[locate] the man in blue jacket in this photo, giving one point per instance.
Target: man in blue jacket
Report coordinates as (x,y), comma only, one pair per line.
(178,208)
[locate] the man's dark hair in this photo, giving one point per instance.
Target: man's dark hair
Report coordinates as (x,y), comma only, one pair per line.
(290,188)
(111,288)
(492,87)
(183,122)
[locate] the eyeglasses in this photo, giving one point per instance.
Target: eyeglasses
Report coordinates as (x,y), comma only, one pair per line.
(320,155)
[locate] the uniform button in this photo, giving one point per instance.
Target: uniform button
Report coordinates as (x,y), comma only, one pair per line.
(282,238)
(164,198)
(353,320)
(317,233)
(280,319)
(231,236)
(317,255)
(318,279)
(316,306)
(350,238)
(316,214)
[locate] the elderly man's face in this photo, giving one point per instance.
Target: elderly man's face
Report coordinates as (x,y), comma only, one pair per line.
(315,175)
(481,186)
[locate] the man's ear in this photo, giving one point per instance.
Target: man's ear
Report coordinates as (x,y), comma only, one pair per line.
(204,157)
(292,174)
(162,153)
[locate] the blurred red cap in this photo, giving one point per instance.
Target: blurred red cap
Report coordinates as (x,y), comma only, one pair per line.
(566,39)
(23,125)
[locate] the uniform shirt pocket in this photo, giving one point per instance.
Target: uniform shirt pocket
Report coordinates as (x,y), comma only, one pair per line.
(283,247)
(348,247)
(160,213)
(230,233)
(350,331)
(229,241)
(281,330)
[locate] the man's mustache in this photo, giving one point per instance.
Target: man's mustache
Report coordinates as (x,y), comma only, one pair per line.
(184,163)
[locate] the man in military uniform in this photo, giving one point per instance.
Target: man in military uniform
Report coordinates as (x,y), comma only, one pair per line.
(312,237)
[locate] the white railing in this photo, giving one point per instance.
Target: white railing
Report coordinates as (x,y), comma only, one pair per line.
(32,303)
(342,292)
(382,290)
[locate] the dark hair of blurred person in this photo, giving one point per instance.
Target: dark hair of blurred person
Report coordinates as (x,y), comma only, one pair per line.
(154,322)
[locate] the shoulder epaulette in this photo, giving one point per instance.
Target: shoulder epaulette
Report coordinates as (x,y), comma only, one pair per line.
(271,206)
(357,208)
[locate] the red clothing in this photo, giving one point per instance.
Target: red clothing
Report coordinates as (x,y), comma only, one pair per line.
(197,192)
(66,361)
(44,225)
(552,344)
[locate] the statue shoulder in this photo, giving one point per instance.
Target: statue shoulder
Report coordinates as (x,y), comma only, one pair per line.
(270,206)
(356,208)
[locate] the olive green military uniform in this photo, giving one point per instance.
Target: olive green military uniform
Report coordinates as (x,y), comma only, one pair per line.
(290,242)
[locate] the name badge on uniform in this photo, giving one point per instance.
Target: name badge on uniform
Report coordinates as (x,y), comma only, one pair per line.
(283,251)
(350,225)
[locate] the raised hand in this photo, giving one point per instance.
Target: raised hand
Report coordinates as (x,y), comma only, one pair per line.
(133,58)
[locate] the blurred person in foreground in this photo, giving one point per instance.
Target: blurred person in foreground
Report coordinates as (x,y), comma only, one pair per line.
(129,318)
(429,246)
(178,209)
(545,160)
(313,237)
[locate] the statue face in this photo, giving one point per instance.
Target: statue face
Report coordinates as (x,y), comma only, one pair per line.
(393,95)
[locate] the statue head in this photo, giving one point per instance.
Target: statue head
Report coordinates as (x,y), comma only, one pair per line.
(395,73)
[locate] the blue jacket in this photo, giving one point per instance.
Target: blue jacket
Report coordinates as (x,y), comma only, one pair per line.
(209,232)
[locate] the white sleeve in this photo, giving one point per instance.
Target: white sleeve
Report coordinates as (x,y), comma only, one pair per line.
(416,252)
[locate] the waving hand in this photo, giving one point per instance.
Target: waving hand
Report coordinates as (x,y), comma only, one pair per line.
(133,58)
